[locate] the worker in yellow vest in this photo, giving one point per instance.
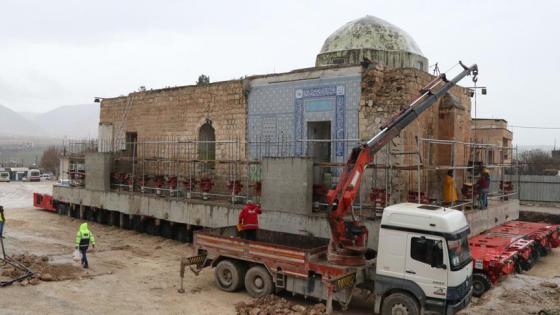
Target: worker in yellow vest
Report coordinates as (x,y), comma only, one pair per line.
(449,191)
(84,238)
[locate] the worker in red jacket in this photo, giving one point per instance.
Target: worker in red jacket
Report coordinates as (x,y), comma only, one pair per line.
(249,221)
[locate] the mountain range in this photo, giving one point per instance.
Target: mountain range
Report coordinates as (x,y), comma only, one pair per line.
(72,122)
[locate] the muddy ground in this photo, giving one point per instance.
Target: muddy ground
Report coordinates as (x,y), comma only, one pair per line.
(138,273)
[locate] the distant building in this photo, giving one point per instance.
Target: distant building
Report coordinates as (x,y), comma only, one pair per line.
(18,173)
(496,134)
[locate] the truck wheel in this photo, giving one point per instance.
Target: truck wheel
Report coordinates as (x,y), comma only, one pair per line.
(481,284)
(258,282)
(400,304)
(228,276)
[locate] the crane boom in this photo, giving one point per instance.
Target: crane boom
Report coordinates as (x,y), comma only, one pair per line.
(349,238)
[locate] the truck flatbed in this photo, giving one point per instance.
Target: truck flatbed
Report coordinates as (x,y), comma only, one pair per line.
(292,254)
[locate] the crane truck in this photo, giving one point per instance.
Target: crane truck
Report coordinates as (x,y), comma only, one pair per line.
(423,262)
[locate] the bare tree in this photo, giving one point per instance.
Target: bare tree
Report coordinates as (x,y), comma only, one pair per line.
(538,162)
(50,161)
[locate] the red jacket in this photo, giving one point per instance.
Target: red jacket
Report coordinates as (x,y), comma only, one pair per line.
(248,218)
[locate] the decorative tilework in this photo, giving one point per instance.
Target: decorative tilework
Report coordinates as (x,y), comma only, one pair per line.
(288,102)
(319,105)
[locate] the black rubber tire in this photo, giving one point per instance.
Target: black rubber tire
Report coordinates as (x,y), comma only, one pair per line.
(166,229)
(60,209)
(258,282)
(546,250)
(76,213)
(89,214)
(151,227)
(180,233)
(125,222)
(517,265)
(113,218)
(402,302)
(100,216)
(536,253)
(228,276)
(481,283)
(527,264)
(137,224)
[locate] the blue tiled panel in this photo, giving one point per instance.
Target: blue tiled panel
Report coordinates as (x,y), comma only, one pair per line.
(280,111)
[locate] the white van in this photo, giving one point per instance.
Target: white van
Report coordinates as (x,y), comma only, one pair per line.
(32,176)
(4,176)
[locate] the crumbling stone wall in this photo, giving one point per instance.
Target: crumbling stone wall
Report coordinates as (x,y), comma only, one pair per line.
(384,93)
(178,113)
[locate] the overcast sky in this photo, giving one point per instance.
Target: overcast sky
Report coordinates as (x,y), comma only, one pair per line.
(55,53)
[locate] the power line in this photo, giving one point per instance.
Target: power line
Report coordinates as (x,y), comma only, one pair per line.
(534,127)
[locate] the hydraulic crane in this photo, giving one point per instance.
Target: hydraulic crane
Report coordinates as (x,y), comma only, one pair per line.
(348,242)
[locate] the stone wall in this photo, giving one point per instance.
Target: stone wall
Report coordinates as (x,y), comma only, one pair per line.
(384,93)
(178,113)
(162,117)
(495,132)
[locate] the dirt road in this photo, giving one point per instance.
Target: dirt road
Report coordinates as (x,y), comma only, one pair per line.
(138,273)
(129,272)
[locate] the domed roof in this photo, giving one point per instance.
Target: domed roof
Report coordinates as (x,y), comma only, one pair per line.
(370,32)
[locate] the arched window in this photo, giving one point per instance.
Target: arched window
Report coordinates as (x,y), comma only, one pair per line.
(207,144)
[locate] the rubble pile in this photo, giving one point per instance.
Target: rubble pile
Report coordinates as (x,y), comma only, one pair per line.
(519,294)
(272,305)
(42,269)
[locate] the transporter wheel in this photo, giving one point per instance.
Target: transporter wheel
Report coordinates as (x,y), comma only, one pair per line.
(517,265)
(61,209)
(481,284)
(100,216)
(535,255)
(151,228)
(182,234)
(228,275)
(400,304)
(166,230)
(543,251)
(258,282)
(527,264)
(137,224)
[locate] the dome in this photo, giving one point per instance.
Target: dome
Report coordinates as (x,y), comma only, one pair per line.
(373,38)
(370,32)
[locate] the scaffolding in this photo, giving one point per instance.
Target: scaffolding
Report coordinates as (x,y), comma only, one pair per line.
(230,170)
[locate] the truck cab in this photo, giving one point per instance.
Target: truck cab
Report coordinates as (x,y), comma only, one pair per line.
(423,260)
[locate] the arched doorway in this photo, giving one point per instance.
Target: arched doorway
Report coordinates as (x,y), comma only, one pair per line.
(207,144)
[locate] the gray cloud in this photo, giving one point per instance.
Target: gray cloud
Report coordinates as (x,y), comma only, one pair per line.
(56,53)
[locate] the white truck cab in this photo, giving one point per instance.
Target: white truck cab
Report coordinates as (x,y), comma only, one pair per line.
(423,254)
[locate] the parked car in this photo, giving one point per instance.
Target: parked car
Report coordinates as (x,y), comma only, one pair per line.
(63,182)
(46,177)
(4,176)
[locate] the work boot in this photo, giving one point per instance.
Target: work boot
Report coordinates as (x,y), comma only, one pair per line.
(86,266)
